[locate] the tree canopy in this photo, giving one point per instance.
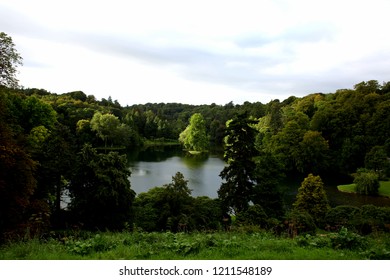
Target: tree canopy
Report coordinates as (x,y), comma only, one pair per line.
(9,60)
(194,137)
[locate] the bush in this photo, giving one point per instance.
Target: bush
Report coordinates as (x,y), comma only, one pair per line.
(254,215)
(299,222)
(372,219)
(346,239)
(341,216)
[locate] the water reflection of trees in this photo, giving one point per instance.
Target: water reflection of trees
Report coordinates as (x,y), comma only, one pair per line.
(195,160)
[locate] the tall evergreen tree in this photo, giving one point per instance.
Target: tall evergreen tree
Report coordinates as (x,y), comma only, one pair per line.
(239,176)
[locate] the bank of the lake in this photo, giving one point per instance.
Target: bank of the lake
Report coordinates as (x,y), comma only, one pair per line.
(155,166)
(384,188)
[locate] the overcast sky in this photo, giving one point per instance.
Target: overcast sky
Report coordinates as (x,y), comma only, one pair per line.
(196,51)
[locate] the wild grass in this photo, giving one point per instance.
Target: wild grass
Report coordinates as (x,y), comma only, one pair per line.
(197,246)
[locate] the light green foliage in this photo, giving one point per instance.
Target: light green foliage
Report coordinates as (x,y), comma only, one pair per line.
(104,125)
(194,137)
(9,60)
(37,137)
(366,182)
(312,198)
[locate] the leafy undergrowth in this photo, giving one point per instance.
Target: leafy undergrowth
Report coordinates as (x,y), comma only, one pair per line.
(221,245)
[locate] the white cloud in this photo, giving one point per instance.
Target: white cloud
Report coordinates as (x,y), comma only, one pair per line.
(198,51)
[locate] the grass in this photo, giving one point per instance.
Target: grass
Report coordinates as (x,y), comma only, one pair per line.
(384,188)
(194,246)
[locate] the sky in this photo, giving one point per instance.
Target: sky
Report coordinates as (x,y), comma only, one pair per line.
(198,51)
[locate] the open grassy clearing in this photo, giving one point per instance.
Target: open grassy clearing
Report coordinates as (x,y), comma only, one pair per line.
(200,246)
(384,188)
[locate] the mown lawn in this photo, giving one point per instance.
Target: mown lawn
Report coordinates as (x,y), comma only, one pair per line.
(384,188)
(199,246)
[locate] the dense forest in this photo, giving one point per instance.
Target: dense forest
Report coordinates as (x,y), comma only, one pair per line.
(54,143)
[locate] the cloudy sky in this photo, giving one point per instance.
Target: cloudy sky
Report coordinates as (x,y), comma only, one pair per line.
(198,51)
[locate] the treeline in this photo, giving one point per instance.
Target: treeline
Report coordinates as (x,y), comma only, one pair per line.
(51,143)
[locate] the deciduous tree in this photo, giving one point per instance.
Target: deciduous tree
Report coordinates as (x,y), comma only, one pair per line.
(194,137)
(9,60)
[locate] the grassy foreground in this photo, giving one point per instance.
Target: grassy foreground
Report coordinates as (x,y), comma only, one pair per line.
(384,188)
(199,246)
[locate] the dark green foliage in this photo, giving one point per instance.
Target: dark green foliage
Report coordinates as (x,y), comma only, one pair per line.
(376,159)
(102,197)
(367,182)
(269,173)
(341,216)
(299,222)
(372,219)
(254,215)
(240,175)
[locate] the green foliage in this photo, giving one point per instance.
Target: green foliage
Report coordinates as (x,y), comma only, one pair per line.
(269,173)
(342,240)
(239,176)
(366,182)
(194,137)
(376,159)
(96,244)
(299,222)
(312,198)
(104,125)
(17,179)
(254,215)
(201,246)
(346,239)
(101,193)
(341,216)
(9,60)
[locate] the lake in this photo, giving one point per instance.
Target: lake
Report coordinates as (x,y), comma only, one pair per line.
(155,166)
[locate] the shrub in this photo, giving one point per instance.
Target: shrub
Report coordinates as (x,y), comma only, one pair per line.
(372,219)
(312,198)
(346,239)
(299,222)
(341,216)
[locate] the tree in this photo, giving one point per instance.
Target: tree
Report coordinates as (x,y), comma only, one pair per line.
(311,198)
(314,153)
(104,126)
(101,193)
(17,178)
(239,176)
(194,137)
(367,182)
(165,207)
(269,173)
(9,60)
(376,159)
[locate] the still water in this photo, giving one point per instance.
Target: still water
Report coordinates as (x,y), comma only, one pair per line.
(156,167)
